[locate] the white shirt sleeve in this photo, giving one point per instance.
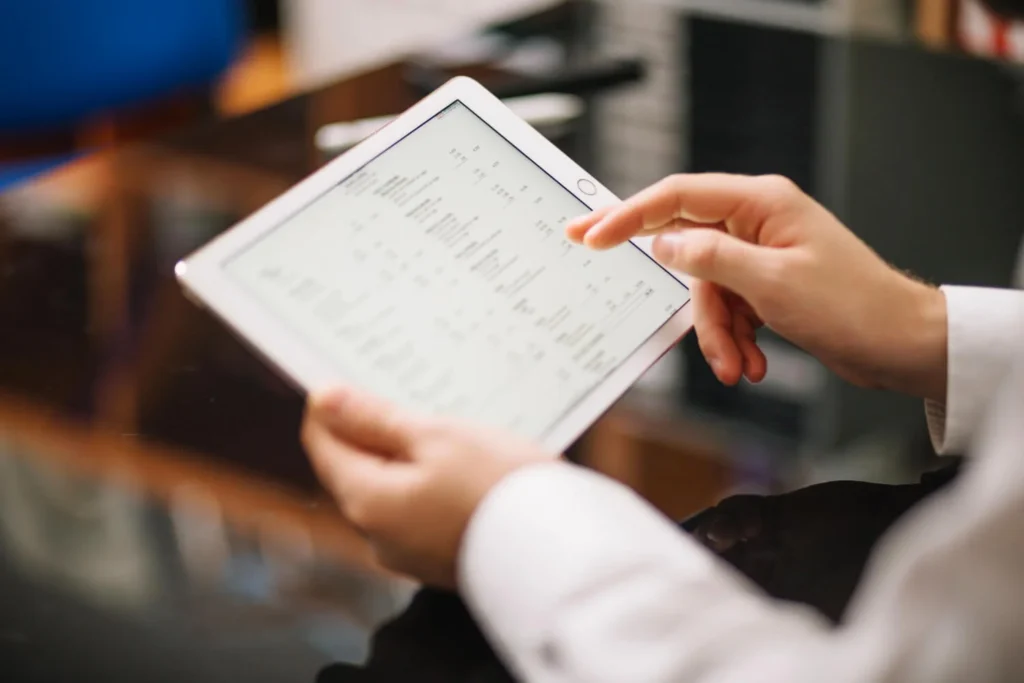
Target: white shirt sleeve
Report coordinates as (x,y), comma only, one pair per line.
(574,578)
(985,328)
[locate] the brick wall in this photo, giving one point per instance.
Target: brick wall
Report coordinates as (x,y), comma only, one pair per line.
(640,125)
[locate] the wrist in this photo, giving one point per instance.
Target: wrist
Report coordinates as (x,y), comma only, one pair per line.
(918,350)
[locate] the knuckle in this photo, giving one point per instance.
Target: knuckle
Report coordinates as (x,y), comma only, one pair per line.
(703,254)
(779,193)
(674,181)
(779,186)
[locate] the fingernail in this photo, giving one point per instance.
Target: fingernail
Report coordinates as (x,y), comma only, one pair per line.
(664,248)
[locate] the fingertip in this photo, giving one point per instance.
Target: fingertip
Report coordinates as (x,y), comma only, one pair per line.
(755,365)
(329,397)
(754,375)
(595,237)
(719,349)
(576,239)
(323,400)
(728,373)
(726,365)
(339,405)
(576,229)
(758,372)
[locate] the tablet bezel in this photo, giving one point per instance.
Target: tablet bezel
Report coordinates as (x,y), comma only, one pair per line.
(206,282)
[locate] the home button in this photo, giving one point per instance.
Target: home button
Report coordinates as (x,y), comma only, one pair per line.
(586,186)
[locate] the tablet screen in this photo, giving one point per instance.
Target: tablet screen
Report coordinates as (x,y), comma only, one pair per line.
(438,276)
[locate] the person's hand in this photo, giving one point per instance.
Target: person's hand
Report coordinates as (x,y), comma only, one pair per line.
(763,252)
(409,483)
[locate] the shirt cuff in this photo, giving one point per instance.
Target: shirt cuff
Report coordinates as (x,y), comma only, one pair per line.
(985,326)
(553,532)
(935,414)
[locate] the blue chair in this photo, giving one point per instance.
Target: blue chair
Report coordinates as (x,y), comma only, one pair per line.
(65,61)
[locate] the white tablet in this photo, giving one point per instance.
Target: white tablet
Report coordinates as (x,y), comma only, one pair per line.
(429,265)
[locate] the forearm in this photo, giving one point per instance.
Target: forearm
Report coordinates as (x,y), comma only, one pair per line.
(911,347)
(893,338)
(560,563)
(573,578)
(949,346)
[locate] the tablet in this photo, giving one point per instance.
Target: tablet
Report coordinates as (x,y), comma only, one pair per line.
(428,265)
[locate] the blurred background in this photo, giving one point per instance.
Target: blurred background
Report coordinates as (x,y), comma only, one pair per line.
(157,515)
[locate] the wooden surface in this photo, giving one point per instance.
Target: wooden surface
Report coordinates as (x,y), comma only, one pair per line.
(934,21)
(675,466)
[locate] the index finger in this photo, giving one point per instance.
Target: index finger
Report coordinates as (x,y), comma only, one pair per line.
(707,199)
(579,226)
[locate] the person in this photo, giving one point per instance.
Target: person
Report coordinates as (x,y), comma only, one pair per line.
(573,577)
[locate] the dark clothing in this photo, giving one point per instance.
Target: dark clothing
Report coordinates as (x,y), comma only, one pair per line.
(807,546)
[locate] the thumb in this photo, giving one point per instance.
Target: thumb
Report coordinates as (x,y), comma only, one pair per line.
(363,420)
(713,256)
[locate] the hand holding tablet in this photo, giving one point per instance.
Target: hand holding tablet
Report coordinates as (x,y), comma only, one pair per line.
(428,274)
(429,267)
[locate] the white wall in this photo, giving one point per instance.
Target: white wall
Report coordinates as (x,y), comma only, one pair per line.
(327,38)
(640,124)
